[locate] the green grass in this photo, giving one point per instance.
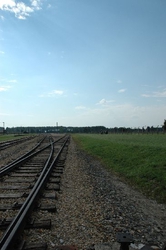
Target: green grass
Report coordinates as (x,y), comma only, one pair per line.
(139,159)
(11,137)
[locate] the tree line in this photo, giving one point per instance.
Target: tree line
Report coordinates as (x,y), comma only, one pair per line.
(86,129)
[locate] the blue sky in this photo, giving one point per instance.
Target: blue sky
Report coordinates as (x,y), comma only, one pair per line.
(82,62)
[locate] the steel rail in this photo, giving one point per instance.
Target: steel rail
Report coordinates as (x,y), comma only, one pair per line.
(24,158)
(19,221)
(7,144)
(26,154)
(6,169)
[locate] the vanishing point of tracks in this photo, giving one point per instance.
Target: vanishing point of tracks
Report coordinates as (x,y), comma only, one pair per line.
(29,183)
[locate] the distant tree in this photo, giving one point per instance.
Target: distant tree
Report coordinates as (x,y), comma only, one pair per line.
(148,129)
(164,125)
(152,129)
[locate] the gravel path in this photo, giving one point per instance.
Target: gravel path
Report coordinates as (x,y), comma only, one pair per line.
(94,205)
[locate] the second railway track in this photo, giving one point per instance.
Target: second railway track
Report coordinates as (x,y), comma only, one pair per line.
(30,186)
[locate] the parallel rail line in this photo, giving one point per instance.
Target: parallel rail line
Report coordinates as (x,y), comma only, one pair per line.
(7,144)
(49,159)
(22,159)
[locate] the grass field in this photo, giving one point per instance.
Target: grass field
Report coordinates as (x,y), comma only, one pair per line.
(10,137)
(140,159)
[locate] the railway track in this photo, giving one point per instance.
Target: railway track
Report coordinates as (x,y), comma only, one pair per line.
(16,148)
(25,157)
(29,184)
(7,144)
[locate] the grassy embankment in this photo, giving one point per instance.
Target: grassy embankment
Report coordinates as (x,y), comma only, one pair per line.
(138,159)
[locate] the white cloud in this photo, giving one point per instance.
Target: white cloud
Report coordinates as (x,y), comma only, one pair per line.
(121,90)
(12,81)
(5,3)
(20,9)
(36,4)
(4,88)
(145,95)
(58,92)
(53,93)
(119,81)
(2,18)
(49,6)
(126,115)
(104,102)
(80,107)
(156,94)
(160,94)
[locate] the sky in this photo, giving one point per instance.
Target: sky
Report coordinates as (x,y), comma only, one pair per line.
(83,63)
